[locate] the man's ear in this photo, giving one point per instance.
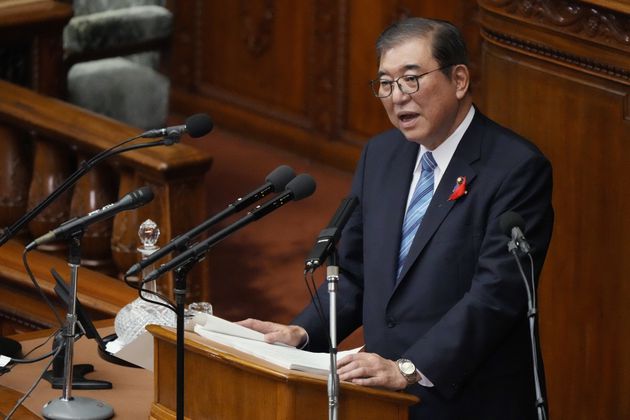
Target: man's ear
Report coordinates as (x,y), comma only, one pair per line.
(461,79)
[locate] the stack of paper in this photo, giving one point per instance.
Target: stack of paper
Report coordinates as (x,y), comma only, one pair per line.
(252,342)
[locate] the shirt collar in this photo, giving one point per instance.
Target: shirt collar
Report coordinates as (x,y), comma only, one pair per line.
(445,151)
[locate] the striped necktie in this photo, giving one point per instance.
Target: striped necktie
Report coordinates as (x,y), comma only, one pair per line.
(417,208)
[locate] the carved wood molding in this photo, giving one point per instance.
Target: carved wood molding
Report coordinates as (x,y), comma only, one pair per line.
(592,38)
(532,48)
(327,66)
(579,19)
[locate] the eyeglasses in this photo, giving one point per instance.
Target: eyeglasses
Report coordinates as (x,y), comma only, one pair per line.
(408,84)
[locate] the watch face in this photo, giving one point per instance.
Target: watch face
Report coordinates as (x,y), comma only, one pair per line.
(407,367)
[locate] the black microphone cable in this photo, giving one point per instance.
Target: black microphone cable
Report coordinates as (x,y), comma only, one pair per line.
(313,291)
(28,392)
(139,286)
(39,290)
(24,358)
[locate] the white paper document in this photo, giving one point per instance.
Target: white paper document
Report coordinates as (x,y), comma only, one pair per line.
(252,342)
(139,351)
(220,325)
(4,360)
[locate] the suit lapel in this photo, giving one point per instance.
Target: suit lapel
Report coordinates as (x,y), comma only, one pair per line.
(467,152)
(393,197)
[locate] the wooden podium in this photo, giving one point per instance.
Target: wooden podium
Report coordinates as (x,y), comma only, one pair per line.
(224,383)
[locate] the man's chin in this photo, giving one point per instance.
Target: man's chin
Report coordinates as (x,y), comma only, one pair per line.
(411,135)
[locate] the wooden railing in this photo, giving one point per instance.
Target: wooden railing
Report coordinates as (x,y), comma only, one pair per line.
(42,140)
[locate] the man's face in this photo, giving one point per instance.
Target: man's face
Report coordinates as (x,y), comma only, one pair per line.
(429,115)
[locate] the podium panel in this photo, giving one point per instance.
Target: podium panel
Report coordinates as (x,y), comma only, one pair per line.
(224,383)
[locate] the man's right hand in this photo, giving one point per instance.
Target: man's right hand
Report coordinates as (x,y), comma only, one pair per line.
(291,335)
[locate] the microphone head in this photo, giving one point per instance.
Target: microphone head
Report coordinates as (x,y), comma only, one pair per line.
(198,125)
(140,197)
(301,186)
(509,220)
(280,177)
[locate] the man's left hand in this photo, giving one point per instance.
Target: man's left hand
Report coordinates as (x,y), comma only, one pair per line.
(370,369)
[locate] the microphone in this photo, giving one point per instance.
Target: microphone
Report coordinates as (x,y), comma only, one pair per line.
(330,236)
(130,201)
(512,224)
(277,180)
(298,188)
(196,126)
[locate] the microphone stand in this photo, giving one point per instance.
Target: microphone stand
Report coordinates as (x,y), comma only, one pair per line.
(68,407)
(332,277)
(513,247)
(179,290)
(180,300)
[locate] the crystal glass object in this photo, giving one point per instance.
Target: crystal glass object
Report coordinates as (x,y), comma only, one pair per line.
(203,307)
(196,313)
(131,320)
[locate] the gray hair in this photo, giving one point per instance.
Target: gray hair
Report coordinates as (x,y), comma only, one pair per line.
(447,44)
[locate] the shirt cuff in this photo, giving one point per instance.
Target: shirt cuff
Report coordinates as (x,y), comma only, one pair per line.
(424,381)
(301,346)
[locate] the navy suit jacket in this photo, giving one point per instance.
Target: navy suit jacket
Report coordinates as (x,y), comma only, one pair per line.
(459,310)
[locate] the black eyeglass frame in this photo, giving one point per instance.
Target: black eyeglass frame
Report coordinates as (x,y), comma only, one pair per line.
(374,83)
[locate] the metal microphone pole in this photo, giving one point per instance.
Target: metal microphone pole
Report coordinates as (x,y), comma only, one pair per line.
(68,407)
(180,300)
(513,247)
(332,277)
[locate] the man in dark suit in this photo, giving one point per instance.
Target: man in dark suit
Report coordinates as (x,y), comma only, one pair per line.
(425,267)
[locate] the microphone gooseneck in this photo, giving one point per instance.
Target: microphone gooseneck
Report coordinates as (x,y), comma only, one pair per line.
(512,225)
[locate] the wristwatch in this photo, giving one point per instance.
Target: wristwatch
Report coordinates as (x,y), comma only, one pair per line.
(408,370)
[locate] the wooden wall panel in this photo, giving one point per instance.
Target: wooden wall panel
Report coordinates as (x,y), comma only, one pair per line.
(558,74)
(584,291)
(254,54)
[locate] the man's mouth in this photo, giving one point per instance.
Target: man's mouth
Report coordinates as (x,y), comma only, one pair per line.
(407,118)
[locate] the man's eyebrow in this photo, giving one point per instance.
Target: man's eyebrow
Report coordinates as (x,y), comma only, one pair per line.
(406,67)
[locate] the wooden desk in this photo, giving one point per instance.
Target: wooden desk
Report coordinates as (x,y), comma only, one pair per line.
(224,383)
(131,395)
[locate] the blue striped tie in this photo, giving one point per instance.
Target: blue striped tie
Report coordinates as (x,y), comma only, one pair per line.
(417,207)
